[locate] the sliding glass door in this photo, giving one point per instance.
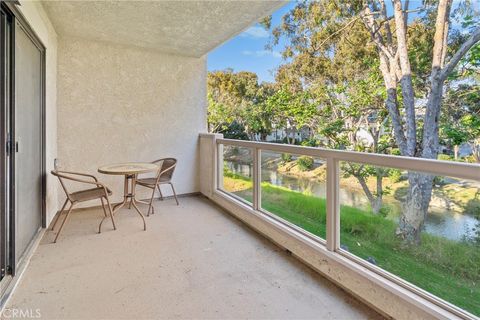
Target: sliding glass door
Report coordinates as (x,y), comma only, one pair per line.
(22,134)
(28,139)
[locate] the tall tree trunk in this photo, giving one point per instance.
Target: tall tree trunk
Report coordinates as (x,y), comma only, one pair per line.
(420,185)
(406,79)
(455,151)
(415,207)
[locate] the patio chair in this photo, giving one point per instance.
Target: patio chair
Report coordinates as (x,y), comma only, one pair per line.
(98,191)
(164,176)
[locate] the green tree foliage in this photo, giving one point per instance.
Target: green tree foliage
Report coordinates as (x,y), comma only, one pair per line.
(237,97)
(291,111)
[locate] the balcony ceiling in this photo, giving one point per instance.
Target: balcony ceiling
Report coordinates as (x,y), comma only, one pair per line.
(189,28)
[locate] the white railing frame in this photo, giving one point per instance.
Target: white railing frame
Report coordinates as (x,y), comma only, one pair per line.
(333,158)
(461,170)
(257,178)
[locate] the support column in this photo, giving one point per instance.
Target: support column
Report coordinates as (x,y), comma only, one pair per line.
(209,161)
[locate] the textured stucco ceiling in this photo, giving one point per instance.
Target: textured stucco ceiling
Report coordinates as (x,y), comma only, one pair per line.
(190,28)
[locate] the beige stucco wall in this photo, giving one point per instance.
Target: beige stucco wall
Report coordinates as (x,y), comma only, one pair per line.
(38,20)
(118,104)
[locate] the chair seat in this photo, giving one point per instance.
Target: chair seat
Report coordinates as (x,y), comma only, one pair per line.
(152,181)
(89,194)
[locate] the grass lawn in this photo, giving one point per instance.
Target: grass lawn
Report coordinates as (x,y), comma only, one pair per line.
(446,268)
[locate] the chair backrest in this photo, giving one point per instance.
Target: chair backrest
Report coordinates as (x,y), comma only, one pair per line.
(167,167)
(61,176)
(67,175)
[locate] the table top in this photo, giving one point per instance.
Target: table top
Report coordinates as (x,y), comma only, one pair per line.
(128,168)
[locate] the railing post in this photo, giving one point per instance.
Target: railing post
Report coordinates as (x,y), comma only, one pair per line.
(257,178)
(219,167)
(333,204)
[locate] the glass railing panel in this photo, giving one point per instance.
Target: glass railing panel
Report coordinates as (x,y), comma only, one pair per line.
(237,171)
(388,220)
(293,189)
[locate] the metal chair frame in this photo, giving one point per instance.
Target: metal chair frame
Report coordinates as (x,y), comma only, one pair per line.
(161,172)
(72,176)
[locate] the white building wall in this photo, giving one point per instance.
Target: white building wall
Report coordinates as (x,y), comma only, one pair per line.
(119,104)
(39,22)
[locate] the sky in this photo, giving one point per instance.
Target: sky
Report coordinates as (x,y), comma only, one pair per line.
(246,52)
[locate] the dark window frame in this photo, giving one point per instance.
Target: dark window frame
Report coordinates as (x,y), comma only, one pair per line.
(19,21)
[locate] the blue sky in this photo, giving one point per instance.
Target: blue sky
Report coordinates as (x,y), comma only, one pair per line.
(246,52)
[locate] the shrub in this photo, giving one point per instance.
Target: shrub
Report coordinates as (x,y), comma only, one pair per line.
(470,159)
(286,157)
(473,208)
(445,157)
(234,130)
(235,150)
(310,143)
(439,181)
(395,175)
(385,211)
(305,163)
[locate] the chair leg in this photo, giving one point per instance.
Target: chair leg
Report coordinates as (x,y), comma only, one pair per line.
(160,191)
(111,213)
(103,207)
(150,206)
(63,222)
(174,193)
(58,215)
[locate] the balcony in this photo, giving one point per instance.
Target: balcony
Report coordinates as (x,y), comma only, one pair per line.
(194,261)
(130,85)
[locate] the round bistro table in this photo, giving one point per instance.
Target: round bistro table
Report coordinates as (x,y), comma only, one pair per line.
(130,170)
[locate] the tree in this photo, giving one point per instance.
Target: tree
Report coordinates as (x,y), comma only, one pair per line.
(461,105)
(257,119)
(396,69)
(344,81)
(359,108)
(219,115)
(317,31)
(235,100)
(470,128)
(292,111)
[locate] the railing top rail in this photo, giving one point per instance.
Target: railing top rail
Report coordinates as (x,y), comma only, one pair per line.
(467,171)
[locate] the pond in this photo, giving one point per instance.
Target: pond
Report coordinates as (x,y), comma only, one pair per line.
(440,221)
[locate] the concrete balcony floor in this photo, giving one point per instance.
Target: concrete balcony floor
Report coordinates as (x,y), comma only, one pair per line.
(194,261)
